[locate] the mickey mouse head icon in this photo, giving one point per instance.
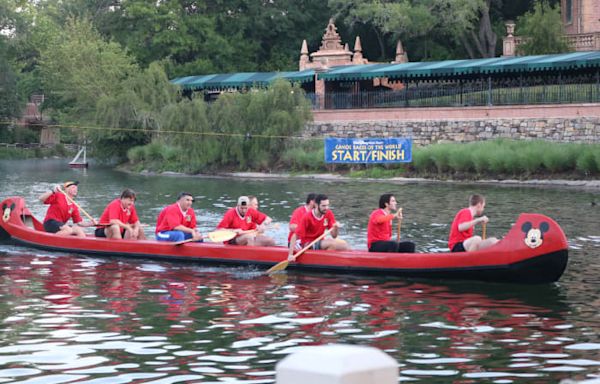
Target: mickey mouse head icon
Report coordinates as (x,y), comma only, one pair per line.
(534,237)
(6,209)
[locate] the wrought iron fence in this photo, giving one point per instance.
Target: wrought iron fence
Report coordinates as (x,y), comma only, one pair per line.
(486,91)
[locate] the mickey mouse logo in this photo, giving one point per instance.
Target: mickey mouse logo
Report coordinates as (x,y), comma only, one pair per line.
(534,237)
(6,211)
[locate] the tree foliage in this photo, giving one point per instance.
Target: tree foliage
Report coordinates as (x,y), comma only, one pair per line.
(542,29)
(78,67)
(242,130)
(133,114)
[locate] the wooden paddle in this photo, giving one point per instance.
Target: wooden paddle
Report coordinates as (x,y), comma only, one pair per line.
(483,231)
(399,225)
(218,236)
(284,264)
(77,205)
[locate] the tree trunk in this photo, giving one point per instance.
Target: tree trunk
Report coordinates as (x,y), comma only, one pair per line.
(482,43)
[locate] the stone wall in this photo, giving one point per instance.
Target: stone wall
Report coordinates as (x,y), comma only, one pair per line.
(423,132)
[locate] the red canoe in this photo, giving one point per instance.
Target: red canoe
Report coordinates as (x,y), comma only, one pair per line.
(535,250)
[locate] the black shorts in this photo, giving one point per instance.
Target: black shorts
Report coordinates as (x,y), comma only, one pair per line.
(52,226)
(99,232)
(458,247)
(392,246)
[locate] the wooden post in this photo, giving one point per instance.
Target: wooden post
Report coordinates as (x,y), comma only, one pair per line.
(337,364)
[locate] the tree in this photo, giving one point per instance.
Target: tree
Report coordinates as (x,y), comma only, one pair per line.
(9,101)
(78,67)
(465,23)
(10,104)
(134,114)
(542,30)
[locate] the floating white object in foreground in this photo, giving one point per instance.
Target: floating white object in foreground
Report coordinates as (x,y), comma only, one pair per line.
(337,364)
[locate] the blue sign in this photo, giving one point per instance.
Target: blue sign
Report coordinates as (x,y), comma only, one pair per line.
(369,151)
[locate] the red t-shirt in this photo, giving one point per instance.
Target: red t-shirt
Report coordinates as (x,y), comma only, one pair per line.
(61,210)
(233,220)
(379,227)
(311,227)
(172,216)
(456,236)
(297,216)
(114,210)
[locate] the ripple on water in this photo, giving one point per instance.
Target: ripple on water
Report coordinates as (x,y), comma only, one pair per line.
(584,346)
(272,319)
(18,372)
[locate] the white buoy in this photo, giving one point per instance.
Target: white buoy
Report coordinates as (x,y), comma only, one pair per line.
(337,364)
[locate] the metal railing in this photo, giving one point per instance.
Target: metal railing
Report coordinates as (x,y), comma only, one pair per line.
(481,92)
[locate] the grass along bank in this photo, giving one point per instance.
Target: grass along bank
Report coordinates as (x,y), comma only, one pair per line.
(498,159)
(14,152)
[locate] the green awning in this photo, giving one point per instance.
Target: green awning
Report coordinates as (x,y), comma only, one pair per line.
(452,68)
(417,70)
(240,79)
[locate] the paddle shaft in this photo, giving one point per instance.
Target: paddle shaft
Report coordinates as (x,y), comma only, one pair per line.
(315,241)
(483,231)
(283,264)
(207,236)
(399,226)
(77,205)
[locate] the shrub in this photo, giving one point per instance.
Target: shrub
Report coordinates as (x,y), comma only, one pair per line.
(136,154)
(588,160)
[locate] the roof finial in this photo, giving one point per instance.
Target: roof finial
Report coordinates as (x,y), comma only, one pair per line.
(357,45)
(401,55)
(304,49)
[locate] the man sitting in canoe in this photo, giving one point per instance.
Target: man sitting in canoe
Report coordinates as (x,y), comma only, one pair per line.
(379,229)
(177,222)
(314,224)
(461,231)
(120,220)
(248,223)
(253,202)
(299,213)
(62,208)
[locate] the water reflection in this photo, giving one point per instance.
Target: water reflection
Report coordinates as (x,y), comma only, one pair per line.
(90,319)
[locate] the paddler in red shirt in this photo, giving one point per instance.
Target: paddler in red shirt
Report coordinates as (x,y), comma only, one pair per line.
(248,223)
(314,224)
(299,213)
(461,237)
(379,229)
(62,209)
(177,222)
(120,220)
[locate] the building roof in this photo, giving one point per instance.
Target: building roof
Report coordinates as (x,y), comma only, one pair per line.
(404,71)
(451,68)
(241,79)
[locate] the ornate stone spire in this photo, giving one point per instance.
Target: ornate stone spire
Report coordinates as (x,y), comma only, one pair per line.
(331,52)
(331,39)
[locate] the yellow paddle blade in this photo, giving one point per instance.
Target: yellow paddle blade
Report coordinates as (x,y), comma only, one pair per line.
(221,235)
(278,267)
